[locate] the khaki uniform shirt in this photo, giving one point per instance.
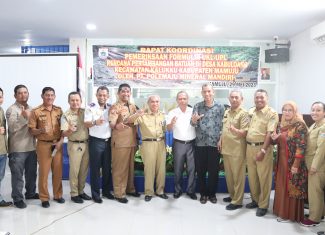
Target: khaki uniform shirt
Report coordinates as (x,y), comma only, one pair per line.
(125,137)
(233,144)
(19,138)
(152,125)
(3,138)
(75,119)
(41,117)
(315,152)
(261,122)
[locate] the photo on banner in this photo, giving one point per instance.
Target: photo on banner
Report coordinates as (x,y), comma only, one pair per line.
(175,66)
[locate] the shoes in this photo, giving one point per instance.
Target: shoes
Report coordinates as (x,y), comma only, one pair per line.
(192,196)
(261,212)
(85,197)
(59,200)
(147,198)
(309,223)
(35,196)
(77,199)
(45,204)
(20,204)
(251,205)
(97,200)
(177,195)
(213,199)
(134,194)
(163,196)
(227,199)
(3,203)
(280,220)
(122,200)
(307,215)
(232,207)
(203,199)
(108,196)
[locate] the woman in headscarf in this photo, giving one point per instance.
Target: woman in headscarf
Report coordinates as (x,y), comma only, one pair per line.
(290,171)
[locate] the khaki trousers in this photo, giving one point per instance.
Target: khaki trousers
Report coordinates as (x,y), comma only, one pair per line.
(153,155)
(316,185)
(47,162)
(78,167)
(123,170)
(260,175)
(235,167)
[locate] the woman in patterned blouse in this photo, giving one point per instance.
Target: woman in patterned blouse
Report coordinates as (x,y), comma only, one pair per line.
(290,171)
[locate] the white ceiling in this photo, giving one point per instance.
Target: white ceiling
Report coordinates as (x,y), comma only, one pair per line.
(52,22)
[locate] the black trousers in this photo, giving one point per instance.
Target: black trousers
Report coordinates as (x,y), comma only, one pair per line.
(207,160)
(100,157)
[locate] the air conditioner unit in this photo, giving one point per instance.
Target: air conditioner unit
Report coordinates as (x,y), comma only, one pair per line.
(317,34)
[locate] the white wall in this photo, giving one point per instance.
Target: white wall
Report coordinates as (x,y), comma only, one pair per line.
(303,79)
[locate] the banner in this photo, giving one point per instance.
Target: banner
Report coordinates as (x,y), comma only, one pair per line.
(175,67)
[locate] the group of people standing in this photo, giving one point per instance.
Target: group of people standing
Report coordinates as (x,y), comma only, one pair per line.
(103,137)
(248,138)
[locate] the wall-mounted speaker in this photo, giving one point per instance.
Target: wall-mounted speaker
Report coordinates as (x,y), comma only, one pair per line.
(277,55)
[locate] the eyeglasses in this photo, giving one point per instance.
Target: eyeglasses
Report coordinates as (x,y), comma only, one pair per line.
(287,111)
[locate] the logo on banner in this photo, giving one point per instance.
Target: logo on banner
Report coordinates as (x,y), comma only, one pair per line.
(103,53)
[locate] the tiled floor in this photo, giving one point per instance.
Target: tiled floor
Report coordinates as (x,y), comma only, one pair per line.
(160,217)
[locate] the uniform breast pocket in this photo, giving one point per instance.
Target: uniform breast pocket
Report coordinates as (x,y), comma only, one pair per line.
(262,125)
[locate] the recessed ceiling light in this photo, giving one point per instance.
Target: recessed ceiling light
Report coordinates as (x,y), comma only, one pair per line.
(91,26)
(26,41)
(210,28)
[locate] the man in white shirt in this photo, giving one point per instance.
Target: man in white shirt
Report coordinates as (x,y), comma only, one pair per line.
(96,119)
(178,121)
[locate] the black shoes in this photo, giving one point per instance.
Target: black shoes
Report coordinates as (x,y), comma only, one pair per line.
(77,199)
(134,194)
(122,200)
(108,196)
(232,207)
(213,199)
(59,200)
(192,196)
(97,200)
(147,198)
(20,204)
(35,196)
(251,205)
(3,203)
(45,204)
(85,197)
(177,195)
(203,199)
(261,212)
(227,199)
(163,196)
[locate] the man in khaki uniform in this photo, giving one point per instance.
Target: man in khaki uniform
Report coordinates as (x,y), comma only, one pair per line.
(259,154)
(72,125)
(123,145)
(153,151)
(315,160)
(233,148)
(44,124)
